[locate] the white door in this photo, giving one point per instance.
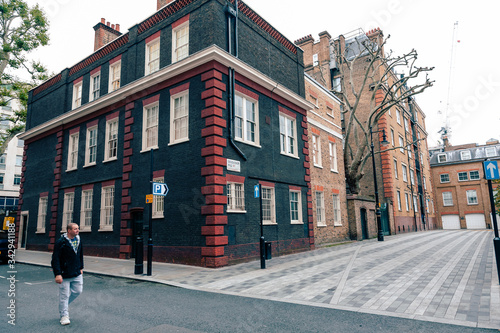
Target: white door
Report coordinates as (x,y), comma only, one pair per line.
(491,219)
(450,222)
(475,221)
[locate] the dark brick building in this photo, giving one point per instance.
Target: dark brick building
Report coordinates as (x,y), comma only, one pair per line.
(221,107)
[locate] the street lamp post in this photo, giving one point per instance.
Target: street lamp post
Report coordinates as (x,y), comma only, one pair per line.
(377,204)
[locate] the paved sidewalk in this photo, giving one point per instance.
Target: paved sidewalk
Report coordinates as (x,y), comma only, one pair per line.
(440,276)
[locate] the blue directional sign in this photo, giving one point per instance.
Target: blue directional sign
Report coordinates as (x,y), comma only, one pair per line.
(256,191)
(491,170)
(160,189)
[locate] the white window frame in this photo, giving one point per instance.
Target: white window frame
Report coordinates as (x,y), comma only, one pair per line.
(407,127)
(425,182)
(442,158)
(465,155)
(337,214)
(316,148)
(242,122)
(235,192)
(95,86)
(68,207)
(176,46)
(320,209)
(111,148)
(490,151)
(404,172)
(288,135)
(444,178)
(412,176)
(398,116)
(395,168)
(333,156)
(462,173)
(107,208)
(392,137)
(297,211)
(115,76)
(475,172)
(91,146)
(447,199)
(158,201)
(42,214)
(147,129)
(152,56)
(472,197)
(415,204)
(77,95)
(268,200)
(398,196)
(407,203)
(401,144)
(86,210)
(177,122)
(74,140)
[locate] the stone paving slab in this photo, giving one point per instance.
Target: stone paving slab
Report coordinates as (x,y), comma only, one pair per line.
(442,276)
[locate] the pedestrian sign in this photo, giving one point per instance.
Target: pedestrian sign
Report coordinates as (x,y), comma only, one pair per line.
(491,170)
(160,189)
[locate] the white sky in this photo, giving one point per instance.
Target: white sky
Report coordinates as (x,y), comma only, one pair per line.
(424,25)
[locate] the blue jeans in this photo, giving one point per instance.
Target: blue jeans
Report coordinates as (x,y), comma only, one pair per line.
(69,289)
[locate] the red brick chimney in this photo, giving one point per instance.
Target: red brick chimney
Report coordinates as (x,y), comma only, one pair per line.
(105,33)
(163,3)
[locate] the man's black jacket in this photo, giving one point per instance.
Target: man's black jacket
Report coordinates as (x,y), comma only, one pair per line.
(65,261)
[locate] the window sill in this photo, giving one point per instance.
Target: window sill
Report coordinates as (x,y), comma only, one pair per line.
(69,170)
(147,150)
(105,229)
(89,165)
(297,222)
(336,171)
(289,155)
(157,217)
(269,223)
(318,166)
(178,141)
(41,231)
(250,143)
(321,225)
(110,160)
(236,211)
(337,224)
(86,229)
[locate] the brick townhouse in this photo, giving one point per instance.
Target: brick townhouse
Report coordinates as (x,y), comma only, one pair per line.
(462,196)
(403,174)
(182,98)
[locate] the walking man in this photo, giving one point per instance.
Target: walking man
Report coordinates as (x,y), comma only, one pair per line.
(67,264)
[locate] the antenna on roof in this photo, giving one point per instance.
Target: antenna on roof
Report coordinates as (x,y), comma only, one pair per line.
(455,41)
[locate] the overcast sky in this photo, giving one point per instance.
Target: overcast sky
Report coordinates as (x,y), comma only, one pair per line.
(425,25)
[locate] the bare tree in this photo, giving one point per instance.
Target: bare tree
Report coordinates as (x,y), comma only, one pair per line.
(370,87)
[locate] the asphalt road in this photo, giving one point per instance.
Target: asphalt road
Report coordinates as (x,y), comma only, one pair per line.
(110,304)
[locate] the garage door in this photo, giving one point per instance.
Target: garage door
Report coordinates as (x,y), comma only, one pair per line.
(450,221)
(475,221)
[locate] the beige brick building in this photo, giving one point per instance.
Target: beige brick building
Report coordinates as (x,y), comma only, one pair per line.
(462,196)
(402,166)
(327,196)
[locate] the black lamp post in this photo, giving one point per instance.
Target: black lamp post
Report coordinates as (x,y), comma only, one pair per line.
(377,204)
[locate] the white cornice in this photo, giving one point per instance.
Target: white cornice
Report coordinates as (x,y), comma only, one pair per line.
(325,128)
(213,53)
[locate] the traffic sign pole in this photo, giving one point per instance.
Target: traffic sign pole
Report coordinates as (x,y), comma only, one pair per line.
(150,229)
(491,172)
(262,240)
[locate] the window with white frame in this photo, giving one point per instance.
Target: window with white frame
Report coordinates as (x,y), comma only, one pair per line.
(320,209)
(407,128)
(315,59)
(111,139)
(179,117)
(490,151)
(412,176)
(288,135)
(95,86)
(316,140)
(398,116)
(73,151)
(407,202)
(69,200)
(425,182)
(465,155)
(392,137)
(268,205)
(337,217)
(401,144)
(404,172)
(427,206)
(107,208)
(471,197)
(474,175)
(180,42)
(333,156)
(115,70)
(329,111)
(295,207)
(91,146)
(19,160)
(463,176)
(442,158)
(150,127)
(77,95)
(152,56)
(444,178)
(42,214)
(235,197)
(415,206)
(395,168)
(398,195)
(246,120)
(17,179)
(86,210)
(158,201)
(447,199)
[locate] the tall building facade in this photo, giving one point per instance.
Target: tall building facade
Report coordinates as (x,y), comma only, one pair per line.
(402,165)
(183,98)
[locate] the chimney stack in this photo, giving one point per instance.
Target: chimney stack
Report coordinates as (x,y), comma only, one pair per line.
(163,3)
(105,33)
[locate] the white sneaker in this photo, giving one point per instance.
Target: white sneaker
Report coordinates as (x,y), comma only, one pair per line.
(64,320)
